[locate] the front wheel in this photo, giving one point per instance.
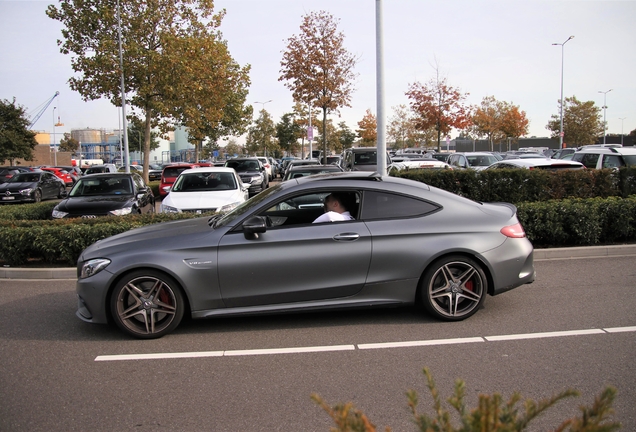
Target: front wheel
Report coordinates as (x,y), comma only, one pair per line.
(147,304)
(454,288)
(37,196)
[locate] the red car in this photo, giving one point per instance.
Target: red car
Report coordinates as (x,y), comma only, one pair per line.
(63,174)
(170,174)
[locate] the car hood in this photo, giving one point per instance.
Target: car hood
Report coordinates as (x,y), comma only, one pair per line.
(17,186)
(160,234)
(188,200)
(248,173)
(94,203)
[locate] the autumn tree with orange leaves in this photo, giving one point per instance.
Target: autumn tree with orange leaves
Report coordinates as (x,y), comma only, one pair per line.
(497,120)
(368,129)
(440,106)
(317,68)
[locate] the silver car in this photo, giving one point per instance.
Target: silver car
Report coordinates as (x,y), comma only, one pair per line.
(408,243)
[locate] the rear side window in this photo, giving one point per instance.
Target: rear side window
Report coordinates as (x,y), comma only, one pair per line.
(385,205)
(589,160)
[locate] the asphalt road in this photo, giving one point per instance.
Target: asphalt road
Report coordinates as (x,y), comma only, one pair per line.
(575,327)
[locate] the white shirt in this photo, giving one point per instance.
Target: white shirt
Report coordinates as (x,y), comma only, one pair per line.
(332,216)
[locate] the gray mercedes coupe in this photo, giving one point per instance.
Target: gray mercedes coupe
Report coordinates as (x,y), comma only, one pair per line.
(409,243)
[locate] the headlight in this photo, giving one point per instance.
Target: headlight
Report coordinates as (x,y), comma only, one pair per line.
(58,214)
(168,209)
(121,212)
(26,192)
(256,179)
(228,207)
(92,267)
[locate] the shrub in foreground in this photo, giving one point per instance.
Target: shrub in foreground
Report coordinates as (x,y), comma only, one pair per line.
(491,414)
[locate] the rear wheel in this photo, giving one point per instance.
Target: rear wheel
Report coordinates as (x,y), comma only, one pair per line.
(147,304)
(454,288)
(60,192)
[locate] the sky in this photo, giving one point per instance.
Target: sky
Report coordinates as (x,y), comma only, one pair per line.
(482,47)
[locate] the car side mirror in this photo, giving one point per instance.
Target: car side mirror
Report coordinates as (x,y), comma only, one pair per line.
(253,226)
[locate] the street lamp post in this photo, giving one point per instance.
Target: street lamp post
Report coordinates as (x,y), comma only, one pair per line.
(561,100)
(621,119)
(604,113)
(264,143)
(53,139)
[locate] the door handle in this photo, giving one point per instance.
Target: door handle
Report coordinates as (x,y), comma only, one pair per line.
(346,237)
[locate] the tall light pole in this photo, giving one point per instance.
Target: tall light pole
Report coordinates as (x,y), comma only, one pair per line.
(561,100)
(264,143)
(53,140)
(604,112)
(621,119)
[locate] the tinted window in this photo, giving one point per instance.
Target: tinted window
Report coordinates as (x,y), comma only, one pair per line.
(589,160)
(384,205)
(612,161)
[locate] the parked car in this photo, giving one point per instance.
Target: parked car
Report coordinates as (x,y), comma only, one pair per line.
(210,189)
(417,163)
(60,173)
(154,172)
(73,171)
(268,167)
(32,186)
(251,172)
(408,244)
(441,156)
(170,174)
(362,159)
(541,164)
(6,172)
(307,170)
(561,153)
(606,157)
(472,160)
(300,162)
(110,194)
(97,169)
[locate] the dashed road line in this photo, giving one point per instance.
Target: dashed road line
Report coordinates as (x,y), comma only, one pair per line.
(368,346)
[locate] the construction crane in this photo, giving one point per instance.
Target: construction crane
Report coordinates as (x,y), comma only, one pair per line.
(46,105)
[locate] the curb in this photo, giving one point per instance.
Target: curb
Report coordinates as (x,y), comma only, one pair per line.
(539,255)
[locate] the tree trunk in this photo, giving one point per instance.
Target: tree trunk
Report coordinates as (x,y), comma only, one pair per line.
(146,146)
(324,136)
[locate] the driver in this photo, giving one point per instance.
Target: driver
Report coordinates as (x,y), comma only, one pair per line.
(336,208)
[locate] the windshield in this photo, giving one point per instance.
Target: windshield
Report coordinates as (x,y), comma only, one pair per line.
(485,160)
(243,165)
(204,182)
(246,206)
(25,178)
(102,186)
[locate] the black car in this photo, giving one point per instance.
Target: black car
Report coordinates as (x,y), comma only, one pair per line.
(111,194)
(252,172)
(154,172)
(32,186)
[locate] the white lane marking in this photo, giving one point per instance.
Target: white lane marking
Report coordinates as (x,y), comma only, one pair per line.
(420,343)
(620,329)
(543,335)
(328,348)
(290,350)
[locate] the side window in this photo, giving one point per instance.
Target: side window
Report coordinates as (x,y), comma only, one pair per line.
(589,160)
(303,209)
(612,161)
(386,205)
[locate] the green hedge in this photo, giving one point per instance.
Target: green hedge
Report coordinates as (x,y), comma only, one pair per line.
(61,241)
(521,185)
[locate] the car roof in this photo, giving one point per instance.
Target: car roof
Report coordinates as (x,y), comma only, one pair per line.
(608,150)
(527,163)
(211,169)
(112,174)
